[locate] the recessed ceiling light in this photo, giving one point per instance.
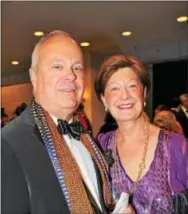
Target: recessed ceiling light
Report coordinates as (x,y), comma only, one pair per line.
(38,33)
(182,19)
(15,62)
(126,33)
(85,44)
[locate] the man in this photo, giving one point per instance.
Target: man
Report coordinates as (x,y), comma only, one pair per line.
(46,166)
(184,112)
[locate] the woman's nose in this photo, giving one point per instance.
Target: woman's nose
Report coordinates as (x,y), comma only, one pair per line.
(124,93)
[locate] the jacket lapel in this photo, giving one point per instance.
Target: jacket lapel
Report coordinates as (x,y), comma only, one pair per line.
(100,189)
(49,172)
(39,171)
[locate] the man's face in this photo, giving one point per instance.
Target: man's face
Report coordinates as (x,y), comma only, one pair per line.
(58,78)
(185,103)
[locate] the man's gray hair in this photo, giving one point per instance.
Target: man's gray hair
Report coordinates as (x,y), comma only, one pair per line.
(55,33)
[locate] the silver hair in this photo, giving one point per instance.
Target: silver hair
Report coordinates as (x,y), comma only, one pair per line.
(55,33)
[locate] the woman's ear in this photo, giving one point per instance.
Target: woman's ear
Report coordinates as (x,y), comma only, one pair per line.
(103,101)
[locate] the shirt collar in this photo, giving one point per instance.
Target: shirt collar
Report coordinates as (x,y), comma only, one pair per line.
(54,118)
(184,109)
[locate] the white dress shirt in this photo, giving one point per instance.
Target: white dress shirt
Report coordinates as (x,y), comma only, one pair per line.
(85,163)
(185,111)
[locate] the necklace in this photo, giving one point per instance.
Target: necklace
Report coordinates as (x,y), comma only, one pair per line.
(141,167)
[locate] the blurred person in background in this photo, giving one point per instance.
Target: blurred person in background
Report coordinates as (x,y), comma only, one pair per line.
(183,110)
(166,120)
(80,113)
(180,116)
(159,108)
(4,117)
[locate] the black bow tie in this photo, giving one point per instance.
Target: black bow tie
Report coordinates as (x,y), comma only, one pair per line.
(73,129)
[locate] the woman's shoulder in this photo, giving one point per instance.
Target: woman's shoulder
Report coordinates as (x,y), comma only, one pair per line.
(177,143)
(174,138)
(105,140)
(178,156)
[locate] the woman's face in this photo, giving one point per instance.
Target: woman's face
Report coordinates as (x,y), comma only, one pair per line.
(164,121)
(123,95)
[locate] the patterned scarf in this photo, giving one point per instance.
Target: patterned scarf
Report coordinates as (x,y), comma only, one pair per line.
(65,166)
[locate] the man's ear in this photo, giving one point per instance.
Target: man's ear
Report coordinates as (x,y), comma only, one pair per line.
(32,74)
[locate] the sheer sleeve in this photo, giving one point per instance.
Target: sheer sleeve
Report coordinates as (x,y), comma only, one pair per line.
(179,163)
(104,140)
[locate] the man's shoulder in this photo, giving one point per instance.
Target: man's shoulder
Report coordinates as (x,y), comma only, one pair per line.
(16,128)
(180,115)
(181,111)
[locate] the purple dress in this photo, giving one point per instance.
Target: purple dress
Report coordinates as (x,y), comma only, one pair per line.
(167,176)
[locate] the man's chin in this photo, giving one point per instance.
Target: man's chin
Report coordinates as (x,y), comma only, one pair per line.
(70,105)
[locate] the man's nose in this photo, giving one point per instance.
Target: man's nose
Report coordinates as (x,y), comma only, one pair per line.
(70,74)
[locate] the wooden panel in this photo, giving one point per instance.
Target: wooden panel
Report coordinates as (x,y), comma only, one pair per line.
(14,95)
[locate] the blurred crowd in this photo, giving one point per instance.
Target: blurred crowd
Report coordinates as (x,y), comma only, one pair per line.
(18,110)
(174,119)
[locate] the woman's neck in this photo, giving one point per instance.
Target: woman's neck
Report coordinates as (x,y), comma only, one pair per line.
(131,131)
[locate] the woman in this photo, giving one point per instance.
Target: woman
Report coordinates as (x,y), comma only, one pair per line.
(146,162)
(159,108)
(167,121)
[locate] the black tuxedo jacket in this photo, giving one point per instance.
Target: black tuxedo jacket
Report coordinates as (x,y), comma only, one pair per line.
(184,122)
(29,183)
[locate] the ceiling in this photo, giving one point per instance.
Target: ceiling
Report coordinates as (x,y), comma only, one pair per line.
(156,34)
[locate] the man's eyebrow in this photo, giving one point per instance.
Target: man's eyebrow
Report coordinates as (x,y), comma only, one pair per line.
(78,62)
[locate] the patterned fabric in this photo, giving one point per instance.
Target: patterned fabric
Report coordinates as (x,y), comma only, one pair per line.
(73,129)
(166,177)
(65,166)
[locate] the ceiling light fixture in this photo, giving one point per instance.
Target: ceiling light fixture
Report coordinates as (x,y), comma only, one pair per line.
(126,33)
(38,33)
(85,44)
(15,62)
(182,19)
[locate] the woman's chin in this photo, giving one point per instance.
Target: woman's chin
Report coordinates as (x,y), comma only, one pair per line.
(127,118)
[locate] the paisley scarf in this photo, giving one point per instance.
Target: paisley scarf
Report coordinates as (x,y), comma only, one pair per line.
(65,166)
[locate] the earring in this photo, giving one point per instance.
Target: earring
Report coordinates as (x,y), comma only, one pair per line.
(144,104)
(106,109)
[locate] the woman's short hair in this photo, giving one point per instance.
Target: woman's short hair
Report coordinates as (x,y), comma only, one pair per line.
(111,65)
(161,107)
(167,120)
